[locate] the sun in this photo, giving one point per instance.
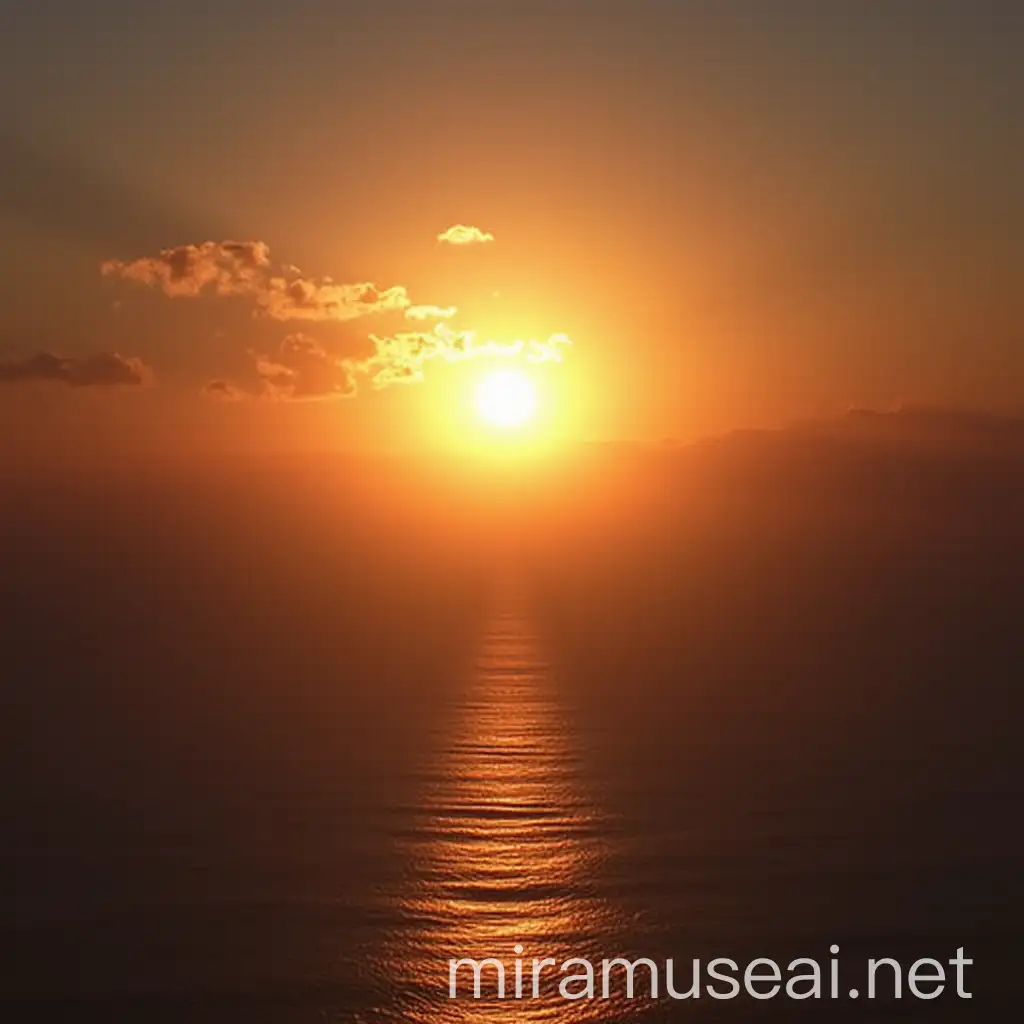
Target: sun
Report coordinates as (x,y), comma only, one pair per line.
(507,399)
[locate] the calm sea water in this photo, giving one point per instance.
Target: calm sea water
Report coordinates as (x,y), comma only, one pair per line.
(507,846)
(529,812)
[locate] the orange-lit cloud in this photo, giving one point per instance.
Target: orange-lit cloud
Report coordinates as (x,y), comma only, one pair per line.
(99,370)
(430,312)
(402,357)
(245,269)
(465,234)
(223,268)
(302,369)
(303,299)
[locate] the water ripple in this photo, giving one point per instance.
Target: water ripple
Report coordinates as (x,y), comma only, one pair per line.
(505,846)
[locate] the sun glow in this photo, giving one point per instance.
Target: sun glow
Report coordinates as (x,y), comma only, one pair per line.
(507,399)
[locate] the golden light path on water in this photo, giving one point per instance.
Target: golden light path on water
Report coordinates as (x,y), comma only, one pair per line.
(505,849)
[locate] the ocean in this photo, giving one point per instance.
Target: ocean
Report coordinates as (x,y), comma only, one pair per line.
(258,770)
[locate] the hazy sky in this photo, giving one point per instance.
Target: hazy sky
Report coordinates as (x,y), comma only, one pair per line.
(738,212)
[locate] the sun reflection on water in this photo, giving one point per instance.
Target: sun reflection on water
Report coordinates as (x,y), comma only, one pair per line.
(505,849)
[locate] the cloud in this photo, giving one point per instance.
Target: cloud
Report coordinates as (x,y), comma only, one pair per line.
(302,369)
(465,234)
(402,357)
(302,299)
(222,268)
(245,269)
(430,312)
(926,426)
(100,370)
(223,391)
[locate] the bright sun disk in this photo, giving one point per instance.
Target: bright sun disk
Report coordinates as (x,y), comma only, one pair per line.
(506,398)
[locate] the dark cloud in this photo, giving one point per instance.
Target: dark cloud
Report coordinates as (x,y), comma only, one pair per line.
(223,391)
(100,370)
(943,431)
(302,369)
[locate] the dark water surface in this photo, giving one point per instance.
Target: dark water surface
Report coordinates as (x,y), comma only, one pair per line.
(258,768)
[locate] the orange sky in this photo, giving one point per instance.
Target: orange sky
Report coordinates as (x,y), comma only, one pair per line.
(737,218)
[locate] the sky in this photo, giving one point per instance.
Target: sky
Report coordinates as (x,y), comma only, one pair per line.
(724,214)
